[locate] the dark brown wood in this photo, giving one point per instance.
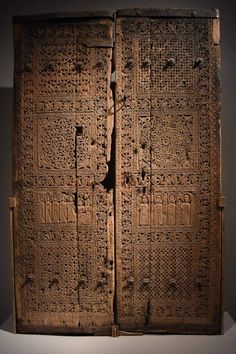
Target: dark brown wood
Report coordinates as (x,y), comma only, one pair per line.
(154,12)
(63,16)
(63,229)
(168,226)
(141,252)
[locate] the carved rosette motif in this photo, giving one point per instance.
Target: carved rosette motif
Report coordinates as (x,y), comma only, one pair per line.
(64,236)
(167,180)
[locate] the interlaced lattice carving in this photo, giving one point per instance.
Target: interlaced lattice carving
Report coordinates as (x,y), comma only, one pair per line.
(154,170)
(167,169)
(64,236)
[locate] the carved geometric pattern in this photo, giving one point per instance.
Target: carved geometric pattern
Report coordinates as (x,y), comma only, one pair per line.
(178,129)
(64,236)
(145,155)
(167,177)
(51,139)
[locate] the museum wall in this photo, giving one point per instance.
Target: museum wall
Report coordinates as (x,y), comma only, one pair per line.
(228,116)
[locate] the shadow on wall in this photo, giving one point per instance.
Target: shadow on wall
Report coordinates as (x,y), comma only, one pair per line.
(6,95)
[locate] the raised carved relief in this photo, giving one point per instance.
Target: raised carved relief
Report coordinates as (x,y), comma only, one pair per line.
(55,151)
(186,211)
(84,210)
(163,152)
(173,209)
(173,141)
(143,210)
(168,209)
(54,210)
(158,211)
(63,110)
(164,133)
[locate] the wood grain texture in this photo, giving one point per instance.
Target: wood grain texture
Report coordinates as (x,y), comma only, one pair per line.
(168,225)
(168,12)
(141,253)
(63,232)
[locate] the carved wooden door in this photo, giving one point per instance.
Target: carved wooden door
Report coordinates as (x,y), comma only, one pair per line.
(141,253)
(64,254)
(168,226)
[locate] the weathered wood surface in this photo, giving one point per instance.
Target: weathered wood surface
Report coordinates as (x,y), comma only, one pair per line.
(154,12)
(64,229)
(142,253)
(63,16)
(168,226)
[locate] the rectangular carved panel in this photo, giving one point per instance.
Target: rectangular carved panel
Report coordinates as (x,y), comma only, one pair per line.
(168,226)
(63,235)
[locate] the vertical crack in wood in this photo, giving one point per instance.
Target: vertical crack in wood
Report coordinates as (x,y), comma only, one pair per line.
(85,261)
(109,182)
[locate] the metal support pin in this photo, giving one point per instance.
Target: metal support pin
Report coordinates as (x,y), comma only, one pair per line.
(146,63)
(27,67)
(199,62)
(49,67)
(199,284)
(79,66)
(221,201)
(12,202)
(115,331)
(130,63)
(130,280)
(170,62)
(173,283)
(100,64)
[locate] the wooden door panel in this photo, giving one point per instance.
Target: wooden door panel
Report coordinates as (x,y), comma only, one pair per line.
(133,173)
(63,236)
(168,174)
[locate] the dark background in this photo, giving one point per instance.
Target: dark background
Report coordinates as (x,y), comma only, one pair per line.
(8,8)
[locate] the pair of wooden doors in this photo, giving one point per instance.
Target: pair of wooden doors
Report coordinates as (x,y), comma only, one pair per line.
(117,214)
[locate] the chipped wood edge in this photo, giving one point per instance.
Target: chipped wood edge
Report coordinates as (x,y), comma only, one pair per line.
(12,206)
(216,31)
(63,16)
(168,12)
(17,35)
(221,198)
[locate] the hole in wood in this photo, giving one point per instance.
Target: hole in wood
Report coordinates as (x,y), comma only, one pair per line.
(143,174)
(79,130)
(109,181)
